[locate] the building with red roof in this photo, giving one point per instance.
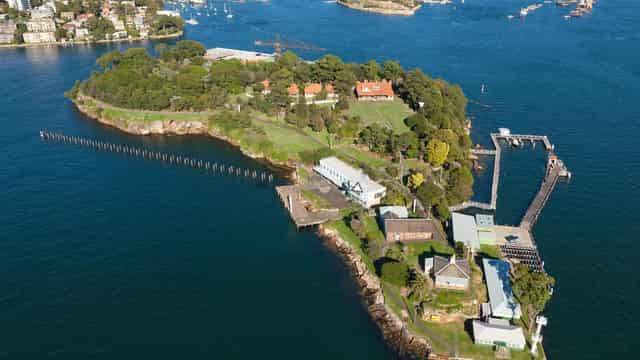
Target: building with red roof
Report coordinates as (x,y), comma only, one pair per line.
(374,90)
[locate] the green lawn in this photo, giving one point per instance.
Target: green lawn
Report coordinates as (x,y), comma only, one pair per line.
(317,201)
(389,114)
(414,250)
(492,251)
(373,230)
(287,139)
(349,236)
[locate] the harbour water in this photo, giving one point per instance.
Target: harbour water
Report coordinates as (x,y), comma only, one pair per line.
(103,256)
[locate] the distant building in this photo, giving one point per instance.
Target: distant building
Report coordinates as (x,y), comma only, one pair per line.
(448,273)
(118,25)
(355,183)
(22,5)
(67,15)
(503,304)
(38,37)
(374,90)
(411,230)
(42,12)
(7,31)
(81,33)
(41,26)
(498,333)
(312,90)
(465,231)
(168,13)
(217,54)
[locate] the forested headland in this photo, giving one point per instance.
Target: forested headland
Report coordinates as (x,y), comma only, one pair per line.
(416,143)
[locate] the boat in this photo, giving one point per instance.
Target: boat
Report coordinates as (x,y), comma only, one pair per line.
(567,17)
(523,12)
(510,17)
(192,22)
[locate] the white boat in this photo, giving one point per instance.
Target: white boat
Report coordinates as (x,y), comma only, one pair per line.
(192,21)
(510,17)
(524,12)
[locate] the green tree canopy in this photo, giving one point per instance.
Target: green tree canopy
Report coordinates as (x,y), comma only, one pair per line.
(437,152)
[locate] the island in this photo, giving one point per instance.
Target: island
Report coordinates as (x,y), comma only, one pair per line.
(380,159)
(70,22)
(387,7)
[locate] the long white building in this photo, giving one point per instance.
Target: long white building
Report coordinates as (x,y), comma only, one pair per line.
(355,183)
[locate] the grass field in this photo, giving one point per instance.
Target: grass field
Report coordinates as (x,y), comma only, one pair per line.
(389,114)
(413,251)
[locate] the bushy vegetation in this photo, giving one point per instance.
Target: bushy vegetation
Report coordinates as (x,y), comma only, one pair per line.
(394,272)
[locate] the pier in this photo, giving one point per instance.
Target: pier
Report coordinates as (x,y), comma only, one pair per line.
(299,208)
(174,159)
(555,169)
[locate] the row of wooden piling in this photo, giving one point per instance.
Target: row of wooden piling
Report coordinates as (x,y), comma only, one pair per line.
(180,160)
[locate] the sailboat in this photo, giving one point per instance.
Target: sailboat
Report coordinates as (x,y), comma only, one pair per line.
(192,21)
(229,15)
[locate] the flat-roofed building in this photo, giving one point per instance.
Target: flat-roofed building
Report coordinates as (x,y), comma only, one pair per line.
(503,303)
(7,31)
(38,37)
(354,182)
(217,54)
(486,229)
(498,333)
(41,26)
(465,231)
(395,212)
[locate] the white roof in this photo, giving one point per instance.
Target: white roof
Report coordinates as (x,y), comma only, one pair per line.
(483,220)
(400,211)
(464,229)
(497,332)
(226,54)
(355,176)
(503,304)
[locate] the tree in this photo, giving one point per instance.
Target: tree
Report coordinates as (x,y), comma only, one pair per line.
(109,59)
(392,71)
(461,249)
(415,180)
(165,24)
(429,193)
(532,289)
(99,27)
(437,152)
(395,272)
(344,83)
(371,70)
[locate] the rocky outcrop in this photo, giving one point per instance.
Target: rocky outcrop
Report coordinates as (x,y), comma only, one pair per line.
(394,330)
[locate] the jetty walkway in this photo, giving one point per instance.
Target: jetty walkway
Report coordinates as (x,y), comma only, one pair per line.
(175,159)
(554,171)
(299,208)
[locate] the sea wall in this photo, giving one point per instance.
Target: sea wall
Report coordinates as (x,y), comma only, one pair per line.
(75,43)
(394,329)
(379,7)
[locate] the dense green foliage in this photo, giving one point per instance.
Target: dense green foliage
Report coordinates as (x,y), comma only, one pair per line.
(533,289)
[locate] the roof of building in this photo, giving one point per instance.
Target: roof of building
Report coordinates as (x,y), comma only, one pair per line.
(464,229)
(315,88)
(242,55)
(483,220)
(498,333)
(293,90)
(353,175)
(451,267)
(503,304)
(397,212)
(416,225)
(374,88)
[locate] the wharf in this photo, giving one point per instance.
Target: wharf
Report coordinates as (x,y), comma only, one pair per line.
(299,208)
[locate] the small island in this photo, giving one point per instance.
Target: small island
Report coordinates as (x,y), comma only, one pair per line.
(387,7)
(378,155)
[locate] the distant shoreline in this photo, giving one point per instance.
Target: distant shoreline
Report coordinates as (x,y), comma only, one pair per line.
(73,43)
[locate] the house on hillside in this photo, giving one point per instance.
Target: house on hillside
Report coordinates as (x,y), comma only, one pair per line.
(503,304)
(354,182)
(448,273)
(374,90)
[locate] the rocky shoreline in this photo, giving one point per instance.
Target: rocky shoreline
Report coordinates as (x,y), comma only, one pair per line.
(381,7)
(173,127)
(394,329)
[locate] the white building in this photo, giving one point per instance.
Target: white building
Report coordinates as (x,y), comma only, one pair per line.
(498,333)
(41,25)
(503,303)
(355,183)
(82,33)
(465,231)
(38,37)
(21,5)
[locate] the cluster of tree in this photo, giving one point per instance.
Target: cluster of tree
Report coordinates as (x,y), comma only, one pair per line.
(533,289)
(165,24)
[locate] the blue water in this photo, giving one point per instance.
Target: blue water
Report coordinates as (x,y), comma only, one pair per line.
(107,257)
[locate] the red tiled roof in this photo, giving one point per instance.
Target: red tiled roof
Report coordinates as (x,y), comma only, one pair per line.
(315,88)
(293,90)
(374,88)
